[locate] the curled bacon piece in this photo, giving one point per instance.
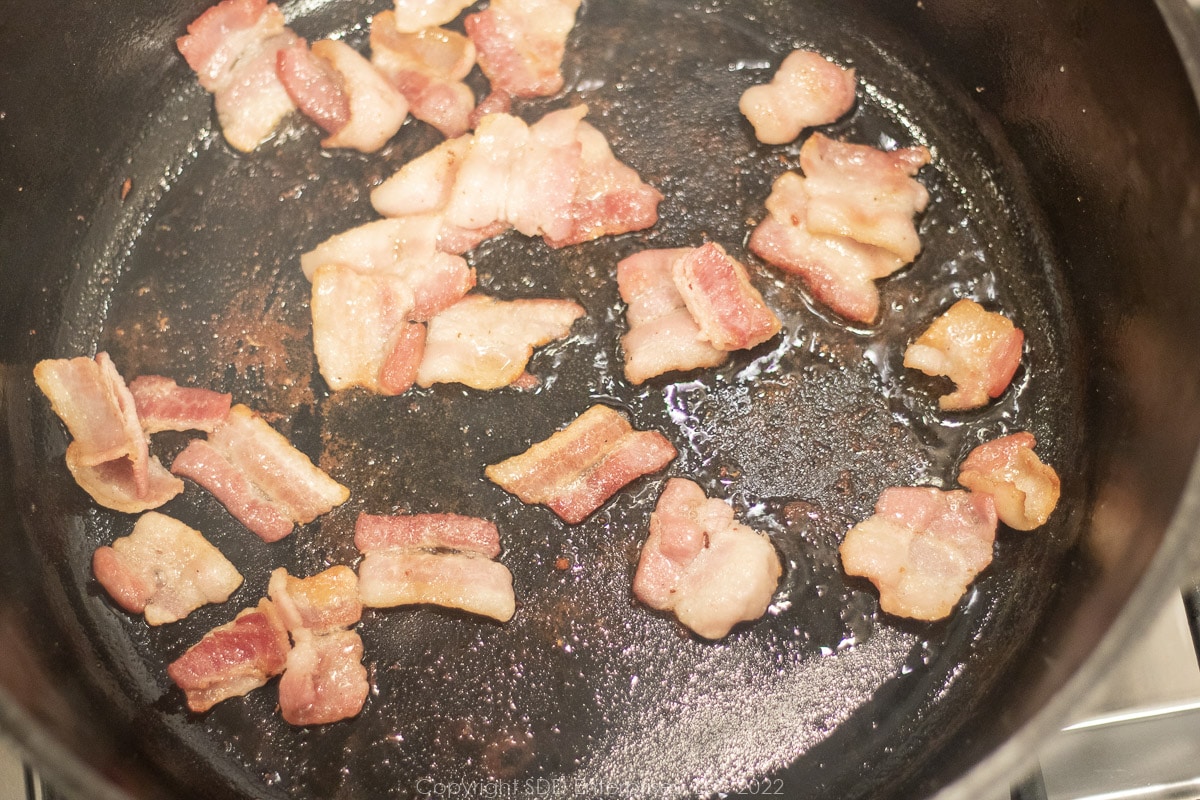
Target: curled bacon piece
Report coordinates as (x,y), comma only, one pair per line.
(114,485)
(440,559)
(1024,489)
(320,603)
(922,548)
(728,309)
(233,659)
(521,44)
(808,90)
(978,349)
(662,336)
(164,569)
(164,405)
(581,466)
(698,562)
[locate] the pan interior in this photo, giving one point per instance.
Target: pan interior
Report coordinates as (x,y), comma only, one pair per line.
(584,692)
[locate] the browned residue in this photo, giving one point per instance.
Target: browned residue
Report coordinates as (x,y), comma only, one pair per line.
(126,187)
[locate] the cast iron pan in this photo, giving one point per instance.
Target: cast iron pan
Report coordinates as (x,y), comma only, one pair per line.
(195,274)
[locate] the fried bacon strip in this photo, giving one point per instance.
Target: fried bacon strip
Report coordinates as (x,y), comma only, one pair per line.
(1024,489)
(978,349)
(521,44)
(427,66)
(233,659)
(708,569)
(485,343)
(717,291)
(808,90)
(663,336)
(164,405)
(113,484)
(233,48)
(324,679)
(440,559)
(164,569)
(262,480)
(581,466)
(922,548)
(412,16)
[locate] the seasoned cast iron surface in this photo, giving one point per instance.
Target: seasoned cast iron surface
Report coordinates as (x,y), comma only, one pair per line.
(584,693)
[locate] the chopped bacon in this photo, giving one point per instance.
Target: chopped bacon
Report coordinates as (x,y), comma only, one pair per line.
(361,330)
(113,484)
(258,476)
(412,576)
(164,569)
(414,15)
(839,271)
(406,249)
(325,680)
(808,90)
(698,562)
(485,343)
(581,466)
(1024,489)
(450,531)
(428,67)
(521,44)
(164,405)
(233,47)
(922,548)
(424,185)
(343,93)
(728,309)
(233,659)
(320,603)
(978,349)
(864,194)
(662,334)
(496,102)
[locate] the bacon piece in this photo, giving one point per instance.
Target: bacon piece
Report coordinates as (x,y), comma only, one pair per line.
(581,466)
(321,603)
(979,350)
(233,47)
(361,330)
(325,680)
(413,15)
(496,102)
(808,90)
(521,44)
(728,309)
(922,548)
(377,108)
(411,576)
(405,249)
(113,484)
(485,343)
(698,562)
(839,271)
(232,659)
(258,476)
(611,197)
(865,194)
(424,185)
(428,67)
(314,86)
(449,531)
(164,405)
(1024,489)
(662,334)
(164,569)
(87,405)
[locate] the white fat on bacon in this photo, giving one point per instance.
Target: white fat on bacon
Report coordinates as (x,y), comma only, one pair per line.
(978,349)
(164,405)
(265,482)
(233,47)
(808,90)
(699,563)
(427,66)
(114,485)
(580,467)
(922,548)
(343,93)
(1024,489)
(839,271)
(521,44)
(324,679)
(362,330)
(233,659)
(716,289)
(663,336)
(437,559)
(411,16)
(485,343)
(164,570)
